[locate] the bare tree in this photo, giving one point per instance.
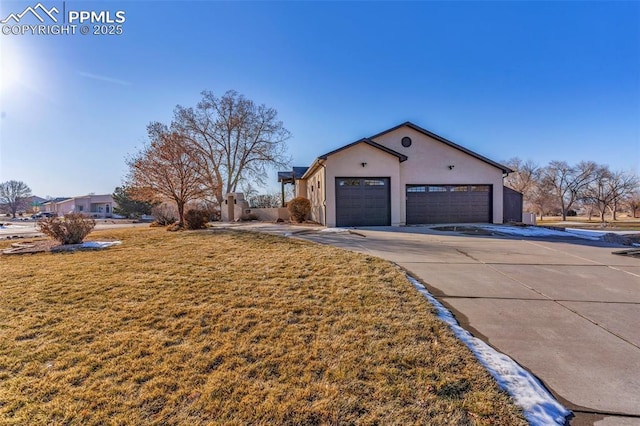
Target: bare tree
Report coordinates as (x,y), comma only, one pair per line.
(608,190)
(599,193)
(633,201)
(14,194)
(265,200)
(542,199)
(248,190)
(231,139)
(567,183)
(525,175)
(525,179)
(623,186)
(165,169)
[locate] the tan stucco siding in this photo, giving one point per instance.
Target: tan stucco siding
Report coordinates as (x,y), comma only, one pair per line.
(348,163)
(428,163)
(315,192)
(98,199)
(65,207)
(300,188)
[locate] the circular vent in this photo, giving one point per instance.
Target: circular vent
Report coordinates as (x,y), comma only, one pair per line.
(406,141)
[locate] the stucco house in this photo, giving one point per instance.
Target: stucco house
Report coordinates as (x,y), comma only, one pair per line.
(99,206)
(402,176)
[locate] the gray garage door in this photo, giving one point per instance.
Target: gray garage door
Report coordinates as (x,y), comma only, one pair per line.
(448,203)
(363,202)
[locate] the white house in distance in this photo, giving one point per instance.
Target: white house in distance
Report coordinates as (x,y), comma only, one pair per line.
(402,176)
(99,206)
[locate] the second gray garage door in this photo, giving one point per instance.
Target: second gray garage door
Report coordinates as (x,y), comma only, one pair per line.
(448,204)
(363,202)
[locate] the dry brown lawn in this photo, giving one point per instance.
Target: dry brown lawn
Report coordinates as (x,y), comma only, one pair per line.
(216,327)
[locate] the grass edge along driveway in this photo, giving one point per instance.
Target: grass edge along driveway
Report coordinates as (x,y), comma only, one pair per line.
(220,327)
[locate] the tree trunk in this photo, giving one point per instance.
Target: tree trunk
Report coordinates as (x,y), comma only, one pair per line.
(180,212)
(602,215)
(614,209)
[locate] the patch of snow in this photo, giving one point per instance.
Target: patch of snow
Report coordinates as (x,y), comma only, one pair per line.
(539,406)
(536,231)
(99,244)
(334,230)
(585,232)
(17,225)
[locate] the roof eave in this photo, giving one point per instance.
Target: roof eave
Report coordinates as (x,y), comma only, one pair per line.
(369,142)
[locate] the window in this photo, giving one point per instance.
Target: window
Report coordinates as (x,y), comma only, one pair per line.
(437,189)
(349,182)
(482,188)
(373,182)
(459,188)
(80,208)
(416,189)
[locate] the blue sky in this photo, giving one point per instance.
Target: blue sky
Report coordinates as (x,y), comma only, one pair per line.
(539,80)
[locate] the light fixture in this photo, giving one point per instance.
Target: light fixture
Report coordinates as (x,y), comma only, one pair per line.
(364,164)
(451,166)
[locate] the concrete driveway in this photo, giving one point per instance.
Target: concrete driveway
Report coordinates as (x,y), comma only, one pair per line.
(566,310)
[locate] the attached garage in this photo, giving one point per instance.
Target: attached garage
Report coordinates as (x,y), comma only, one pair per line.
(428,204)
(405,175)
(363,201)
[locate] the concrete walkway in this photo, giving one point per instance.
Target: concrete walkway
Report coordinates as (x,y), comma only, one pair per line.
(567,310)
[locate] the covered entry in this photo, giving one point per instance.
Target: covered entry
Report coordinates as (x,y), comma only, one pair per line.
(448,204)
(363,201)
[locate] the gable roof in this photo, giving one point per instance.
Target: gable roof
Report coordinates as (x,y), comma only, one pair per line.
(371,143)
(419,129)
(318,161)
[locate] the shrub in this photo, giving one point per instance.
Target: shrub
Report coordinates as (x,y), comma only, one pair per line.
(196,218)
(164,215)
(70,229)
(299,208)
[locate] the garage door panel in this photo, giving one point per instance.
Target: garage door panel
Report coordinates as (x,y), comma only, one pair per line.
(448,203)
(363,202)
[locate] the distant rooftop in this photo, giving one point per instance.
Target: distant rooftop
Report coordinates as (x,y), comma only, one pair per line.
(56,200)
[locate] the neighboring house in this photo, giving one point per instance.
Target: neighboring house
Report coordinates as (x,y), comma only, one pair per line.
(34,204)
(403,176)
(51,206)
(99,206)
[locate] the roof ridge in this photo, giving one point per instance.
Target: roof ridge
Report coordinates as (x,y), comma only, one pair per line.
(446,141)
